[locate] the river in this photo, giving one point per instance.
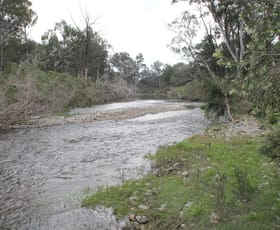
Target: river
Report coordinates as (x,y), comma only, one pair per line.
(45,172)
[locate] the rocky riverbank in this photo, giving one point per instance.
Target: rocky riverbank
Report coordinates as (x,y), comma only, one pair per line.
(244,126)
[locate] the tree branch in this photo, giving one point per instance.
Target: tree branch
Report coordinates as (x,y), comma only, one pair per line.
(241,40)
(227,43)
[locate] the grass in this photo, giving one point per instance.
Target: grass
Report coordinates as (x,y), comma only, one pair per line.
(199,178)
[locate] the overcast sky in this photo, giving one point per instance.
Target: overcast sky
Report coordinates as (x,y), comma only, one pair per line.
(133,26)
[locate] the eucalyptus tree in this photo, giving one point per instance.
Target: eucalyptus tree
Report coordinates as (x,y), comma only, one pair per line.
(186,27)
(69,49)
(125,66)
(230,41)
(15,17)
(141,67)
(263,60)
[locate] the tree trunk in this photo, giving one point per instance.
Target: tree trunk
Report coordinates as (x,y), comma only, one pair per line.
(97,74)
(1,57)
(86,72)
(228,108)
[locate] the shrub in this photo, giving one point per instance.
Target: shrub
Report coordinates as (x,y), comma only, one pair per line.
(271,144)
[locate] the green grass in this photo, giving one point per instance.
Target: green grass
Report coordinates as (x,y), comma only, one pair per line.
(228,178)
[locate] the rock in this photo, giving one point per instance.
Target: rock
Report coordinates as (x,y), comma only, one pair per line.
(133,198)
(143,206)
(185,174)
(168,170)
(181,226)
(162,208)
(189,204)
(138,219)
(176,165)
(214,218)
(132,217)
(142,219)
(148,193)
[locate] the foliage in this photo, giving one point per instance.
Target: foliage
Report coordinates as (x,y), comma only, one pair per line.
(15,18)
(161,76)
(240,50)
(271,144)
(76,51)
(192,91)
(27,91)
(124,66)
(244,188)
(196,178)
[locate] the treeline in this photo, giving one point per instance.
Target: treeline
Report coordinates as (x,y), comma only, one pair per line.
(234,68)
(71,67)
(77,51)
(65,70)
(238,58)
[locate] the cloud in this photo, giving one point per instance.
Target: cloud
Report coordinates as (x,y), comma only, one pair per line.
(128,25)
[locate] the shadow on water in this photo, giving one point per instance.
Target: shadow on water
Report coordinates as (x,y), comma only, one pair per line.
(44,171)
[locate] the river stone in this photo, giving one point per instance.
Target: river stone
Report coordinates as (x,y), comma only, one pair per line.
(185,174)
(214,218)
(143,206)
(133,198)
(142,219)
(189,204)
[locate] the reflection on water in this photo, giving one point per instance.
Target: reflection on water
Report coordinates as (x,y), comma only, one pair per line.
(44,171)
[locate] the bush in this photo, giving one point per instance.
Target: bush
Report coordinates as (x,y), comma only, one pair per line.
(271,144)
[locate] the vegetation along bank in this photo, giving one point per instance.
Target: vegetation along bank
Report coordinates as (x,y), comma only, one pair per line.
(222,179)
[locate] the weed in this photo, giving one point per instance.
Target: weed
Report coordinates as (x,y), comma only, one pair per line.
(271,144)
(244,188)
(220,192)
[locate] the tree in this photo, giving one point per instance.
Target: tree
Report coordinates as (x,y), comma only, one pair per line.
(262,80)
(156,71)
(225,51)
(15,17)
(125,66)
(69,49)
(141,67)
(201,55)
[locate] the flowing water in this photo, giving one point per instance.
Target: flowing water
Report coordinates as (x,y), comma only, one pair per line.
(45,172)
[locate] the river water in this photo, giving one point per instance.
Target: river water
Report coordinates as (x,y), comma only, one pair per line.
(45,172)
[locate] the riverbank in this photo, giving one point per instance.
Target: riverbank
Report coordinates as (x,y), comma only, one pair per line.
(111,114)
(213,181)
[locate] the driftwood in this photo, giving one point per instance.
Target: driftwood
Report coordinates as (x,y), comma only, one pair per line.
(14,114)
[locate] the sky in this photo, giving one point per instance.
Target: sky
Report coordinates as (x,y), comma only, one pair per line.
(133,26)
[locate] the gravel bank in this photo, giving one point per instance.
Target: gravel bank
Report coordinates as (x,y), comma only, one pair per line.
(115,114)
